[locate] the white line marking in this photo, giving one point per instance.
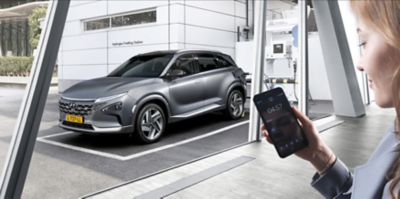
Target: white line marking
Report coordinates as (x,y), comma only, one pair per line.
(55,135)
(136,155)
(81,149)
(183,141)
(327,123)
(324,120)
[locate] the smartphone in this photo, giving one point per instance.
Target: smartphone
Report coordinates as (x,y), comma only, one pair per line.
(280,121)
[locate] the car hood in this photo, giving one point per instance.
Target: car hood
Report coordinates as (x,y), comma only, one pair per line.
(105,87)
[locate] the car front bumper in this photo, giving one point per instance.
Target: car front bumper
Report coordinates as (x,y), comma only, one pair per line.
(91,118)
(94,129)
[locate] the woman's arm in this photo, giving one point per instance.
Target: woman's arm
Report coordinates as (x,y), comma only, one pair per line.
(335,182)
(332,178)
(317,152)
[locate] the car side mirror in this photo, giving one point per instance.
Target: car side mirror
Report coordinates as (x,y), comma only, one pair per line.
(175,73)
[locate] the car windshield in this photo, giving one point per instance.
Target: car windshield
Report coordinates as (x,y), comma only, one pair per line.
(142,66)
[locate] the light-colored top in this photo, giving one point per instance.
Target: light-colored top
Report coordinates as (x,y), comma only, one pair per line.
(369,180)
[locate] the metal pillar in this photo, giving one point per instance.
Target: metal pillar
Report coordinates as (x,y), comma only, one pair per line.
(257,77)
(30,115)
(303,57)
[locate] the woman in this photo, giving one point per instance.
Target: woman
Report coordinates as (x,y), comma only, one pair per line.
(379,31)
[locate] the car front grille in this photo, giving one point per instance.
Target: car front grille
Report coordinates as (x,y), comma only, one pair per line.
(75,108)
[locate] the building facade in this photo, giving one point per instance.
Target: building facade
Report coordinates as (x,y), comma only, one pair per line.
(100,35)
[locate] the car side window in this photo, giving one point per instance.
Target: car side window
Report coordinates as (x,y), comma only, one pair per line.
(183,66)
(207,62)
(223,62)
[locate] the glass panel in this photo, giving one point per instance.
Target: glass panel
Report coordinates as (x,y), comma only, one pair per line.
(319,99)
(143,66)
(356,49)
(97,24)
(225,61)
(184,66)
(102,121)
(19,32)
(134,19)
(282,50)
(207,62)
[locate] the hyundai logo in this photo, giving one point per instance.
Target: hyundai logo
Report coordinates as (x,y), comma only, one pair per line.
(72,106)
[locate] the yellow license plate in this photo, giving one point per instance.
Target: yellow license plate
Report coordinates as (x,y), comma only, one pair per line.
(74,118)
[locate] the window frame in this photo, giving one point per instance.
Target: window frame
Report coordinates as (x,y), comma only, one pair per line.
(199,55)
(110,17)
(193,62)
(85,25)
(29,118)
(134,13)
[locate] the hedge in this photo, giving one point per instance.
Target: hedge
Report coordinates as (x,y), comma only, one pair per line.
(15,66)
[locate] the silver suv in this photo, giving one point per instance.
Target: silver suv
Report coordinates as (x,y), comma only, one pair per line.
(150,90)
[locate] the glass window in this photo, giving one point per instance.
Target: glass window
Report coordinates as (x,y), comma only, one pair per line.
(207,62)
(125,20)
(133,19)
(98,101)
(184,66)
(223,62)
(143,66)
(229,60)
(97,24)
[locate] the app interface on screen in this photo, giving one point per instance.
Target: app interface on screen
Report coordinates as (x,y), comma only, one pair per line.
(281,124)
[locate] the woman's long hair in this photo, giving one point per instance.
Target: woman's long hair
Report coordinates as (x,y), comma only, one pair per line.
(384,17)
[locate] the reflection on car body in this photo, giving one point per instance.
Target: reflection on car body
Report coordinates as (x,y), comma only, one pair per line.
(150,90)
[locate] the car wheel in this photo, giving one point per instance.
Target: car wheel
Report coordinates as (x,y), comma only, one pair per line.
(150,123)
(235,105)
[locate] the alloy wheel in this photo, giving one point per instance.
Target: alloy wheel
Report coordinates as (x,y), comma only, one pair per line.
(236,105)
(152,123)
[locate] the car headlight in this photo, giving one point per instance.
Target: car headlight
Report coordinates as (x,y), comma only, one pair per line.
(110,104)
(104,99)
(113,108)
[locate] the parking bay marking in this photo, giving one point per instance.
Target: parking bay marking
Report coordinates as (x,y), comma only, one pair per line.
(136,155)
(81,149)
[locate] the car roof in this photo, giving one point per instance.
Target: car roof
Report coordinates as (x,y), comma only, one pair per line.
(163,52)
(197,50)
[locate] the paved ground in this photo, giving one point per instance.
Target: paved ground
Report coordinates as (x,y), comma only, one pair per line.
(70,165)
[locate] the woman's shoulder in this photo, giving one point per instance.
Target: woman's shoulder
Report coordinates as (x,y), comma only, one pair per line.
(389,141)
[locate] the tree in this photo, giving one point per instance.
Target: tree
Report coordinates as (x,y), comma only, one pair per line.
(34,25)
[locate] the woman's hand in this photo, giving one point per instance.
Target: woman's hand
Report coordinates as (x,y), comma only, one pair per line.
(317,152)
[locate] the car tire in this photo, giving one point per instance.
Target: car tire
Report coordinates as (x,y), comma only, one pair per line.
(150,123)
(235,105)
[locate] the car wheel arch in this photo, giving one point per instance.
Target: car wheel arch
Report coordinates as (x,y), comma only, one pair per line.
(236,86)
(156,99)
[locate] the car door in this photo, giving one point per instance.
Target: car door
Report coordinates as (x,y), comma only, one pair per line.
(216,78)
(186,88)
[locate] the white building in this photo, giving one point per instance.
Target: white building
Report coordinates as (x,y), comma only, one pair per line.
(100,35)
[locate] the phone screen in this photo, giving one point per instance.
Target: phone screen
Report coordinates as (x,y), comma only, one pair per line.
(280,121)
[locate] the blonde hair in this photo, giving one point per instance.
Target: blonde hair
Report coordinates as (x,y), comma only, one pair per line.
(384,17)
